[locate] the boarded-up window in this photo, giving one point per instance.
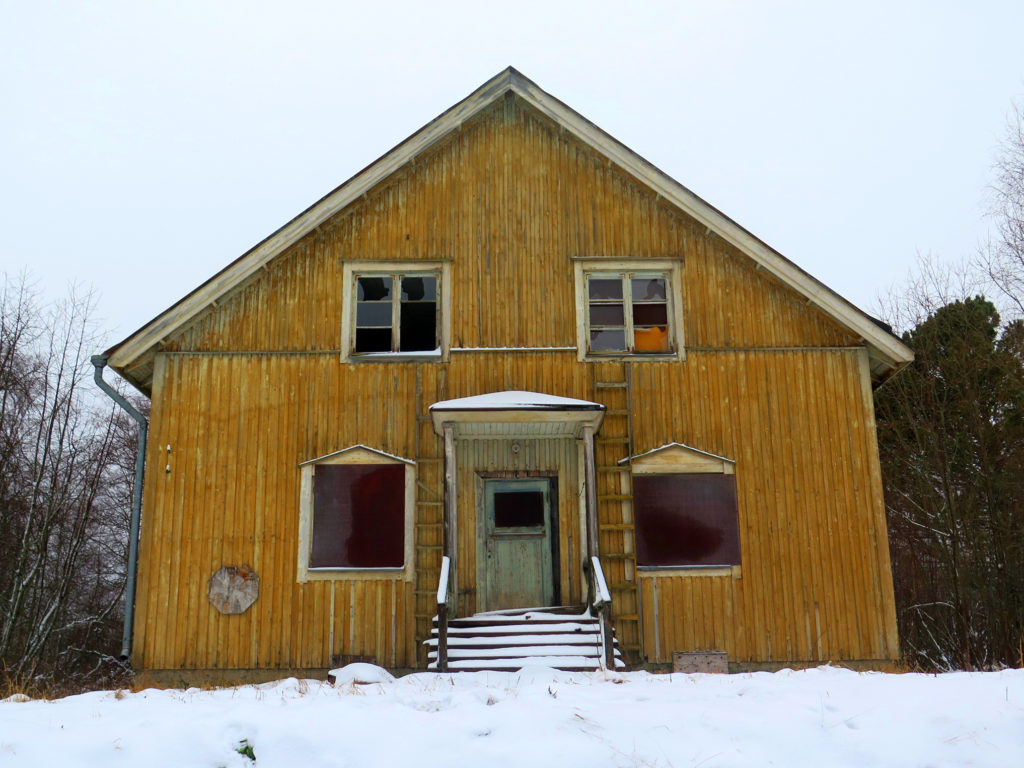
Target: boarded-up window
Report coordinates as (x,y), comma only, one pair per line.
(686,519)
(358,516)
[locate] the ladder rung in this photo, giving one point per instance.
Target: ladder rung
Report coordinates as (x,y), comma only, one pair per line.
(614,497)
(429,459)
(619,556)
(612,440)
(616,527)
(610,384)
(612,468)
(622,587)
(617,412)
(431,503)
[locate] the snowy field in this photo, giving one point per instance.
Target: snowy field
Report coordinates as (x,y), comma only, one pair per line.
(537,718)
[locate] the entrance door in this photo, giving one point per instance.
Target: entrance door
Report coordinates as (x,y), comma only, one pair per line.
(519,537)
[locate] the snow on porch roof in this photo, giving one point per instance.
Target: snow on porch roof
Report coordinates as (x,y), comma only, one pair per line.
(512,414)
(516,400)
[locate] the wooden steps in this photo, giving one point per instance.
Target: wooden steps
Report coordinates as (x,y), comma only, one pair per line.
(530,637)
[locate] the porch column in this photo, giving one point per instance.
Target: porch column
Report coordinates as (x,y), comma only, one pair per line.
(451,518)
(590,483)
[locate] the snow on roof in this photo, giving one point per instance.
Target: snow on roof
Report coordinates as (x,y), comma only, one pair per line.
(515,400)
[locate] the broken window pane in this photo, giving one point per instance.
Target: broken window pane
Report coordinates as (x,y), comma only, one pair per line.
(648,288)
(419,288)
(373,289)
(519,509)
(358,516)
(608,340)
(418,326)
(373,313)
(686,519)
(650,314)
(607,314)
(373,339)
(651,339)
(605,288)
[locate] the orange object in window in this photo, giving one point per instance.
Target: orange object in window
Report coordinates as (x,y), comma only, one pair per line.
(651,339)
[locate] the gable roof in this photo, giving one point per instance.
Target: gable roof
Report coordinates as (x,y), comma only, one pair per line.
(133,357)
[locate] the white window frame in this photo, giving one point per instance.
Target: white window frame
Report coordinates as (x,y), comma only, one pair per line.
(669,269)
(357,455)
(351,270)
(681,459)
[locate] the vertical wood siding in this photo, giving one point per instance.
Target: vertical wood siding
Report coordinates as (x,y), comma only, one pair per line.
(255,387)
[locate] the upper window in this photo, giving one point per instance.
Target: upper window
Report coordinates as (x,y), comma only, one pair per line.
(395,310)
(627,312)
(628,309)
(355,514)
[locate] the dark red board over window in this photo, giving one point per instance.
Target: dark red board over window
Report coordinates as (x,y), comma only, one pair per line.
(686,519)
(358,516)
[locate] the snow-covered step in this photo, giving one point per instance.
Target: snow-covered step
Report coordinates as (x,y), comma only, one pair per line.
(580,638)
(565,639)
(566,663)
(455,628)
(553,653)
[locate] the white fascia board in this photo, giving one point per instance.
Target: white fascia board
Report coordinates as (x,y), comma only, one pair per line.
(884,344)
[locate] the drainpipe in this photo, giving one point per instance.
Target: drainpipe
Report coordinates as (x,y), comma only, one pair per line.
(100,362)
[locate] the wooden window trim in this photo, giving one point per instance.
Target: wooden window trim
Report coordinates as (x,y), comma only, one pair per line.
(362,268)
(678,459)
(671,269)
(359,455)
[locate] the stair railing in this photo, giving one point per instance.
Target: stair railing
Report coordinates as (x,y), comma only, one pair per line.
(442,615)
(602,602)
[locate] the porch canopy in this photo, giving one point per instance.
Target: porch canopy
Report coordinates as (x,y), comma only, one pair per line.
(516,414)
(507,415)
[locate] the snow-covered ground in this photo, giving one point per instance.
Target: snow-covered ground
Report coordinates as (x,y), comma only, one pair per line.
(538,718)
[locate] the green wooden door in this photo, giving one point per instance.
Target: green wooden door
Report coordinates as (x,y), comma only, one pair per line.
(518,538)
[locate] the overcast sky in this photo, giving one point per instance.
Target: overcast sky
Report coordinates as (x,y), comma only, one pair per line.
(145,145)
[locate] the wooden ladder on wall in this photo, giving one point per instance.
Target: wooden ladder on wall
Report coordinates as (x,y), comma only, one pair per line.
(612,385)
(428,530)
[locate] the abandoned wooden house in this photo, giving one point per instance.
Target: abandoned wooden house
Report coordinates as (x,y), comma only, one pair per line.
(510,365)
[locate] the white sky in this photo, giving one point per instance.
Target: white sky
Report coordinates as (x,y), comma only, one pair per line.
(145,145)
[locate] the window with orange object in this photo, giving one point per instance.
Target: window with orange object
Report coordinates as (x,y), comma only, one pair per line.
(629,313)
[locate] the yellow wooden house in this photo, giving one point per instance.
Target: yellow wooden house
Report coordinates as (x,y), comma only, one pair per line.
(510,381)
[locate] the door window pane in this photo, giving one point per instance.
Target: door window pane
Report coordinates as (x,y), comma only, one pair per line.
(519,509)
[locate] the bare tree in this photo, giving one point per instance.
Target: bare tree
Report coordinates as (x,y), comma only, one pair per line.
(1002,259)
(62,511)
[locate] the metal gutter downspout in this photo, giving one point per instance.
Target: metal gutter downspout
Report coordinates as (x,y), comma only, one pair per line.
(100,362)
